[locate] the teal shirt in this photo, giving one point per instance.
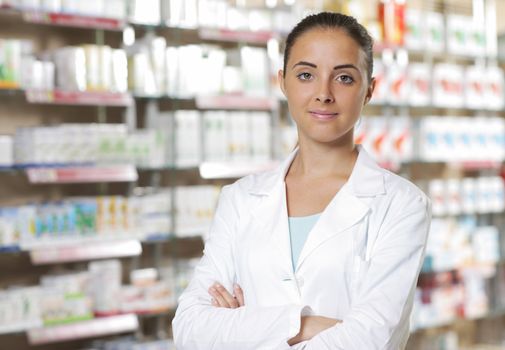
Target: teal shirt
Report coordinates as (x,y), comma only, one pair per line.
(299,229)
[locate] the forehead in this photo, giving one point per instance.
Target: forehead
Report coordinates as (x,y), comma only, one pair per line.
(332,46)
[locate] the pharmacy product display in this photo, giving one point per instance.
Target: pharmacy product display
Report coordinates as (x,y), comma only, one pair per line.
(217,136)
(158,69)
(457,34)
(481,195)
(73,68)
(96,292)
(449,139)
(94,8)
(441,85)
(468,253)
(144,216)
(73,144)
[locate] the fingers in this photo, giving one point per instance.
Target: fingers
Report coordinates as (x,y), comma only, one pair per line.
(239,294)
(222,298)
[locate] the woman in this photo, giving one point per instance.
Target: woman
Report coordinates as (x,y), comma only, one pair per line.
(323,252)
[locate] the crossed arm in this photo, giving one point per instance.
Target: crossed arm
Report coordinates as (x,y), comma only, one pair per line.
(310,326)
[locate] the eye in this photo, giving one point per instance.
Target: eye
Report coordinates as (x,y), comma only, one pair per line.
(304,76)
(345,79)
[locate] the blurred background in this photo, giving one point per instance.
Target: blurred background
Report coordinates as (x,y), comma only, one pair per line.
(121,120)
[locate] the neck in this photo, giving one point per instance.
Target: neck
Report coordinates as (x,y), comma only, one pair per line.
(318,160)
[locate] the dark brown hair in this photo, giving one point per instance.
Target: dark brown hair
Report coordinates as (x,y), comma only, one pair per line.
(333,20)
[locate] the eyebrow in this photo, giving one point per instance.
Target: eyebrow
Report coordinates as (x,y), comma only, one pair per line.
(341,66)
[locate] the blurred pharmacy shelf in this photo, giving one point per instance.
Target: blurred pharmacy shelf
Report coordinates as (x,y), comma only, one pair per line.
(86,329)
(64,19)
(230,102)
(256,37)
(19,327)
(493,313)
(222,102)
(60,97)
(82,174)
(70,20)
(85,251)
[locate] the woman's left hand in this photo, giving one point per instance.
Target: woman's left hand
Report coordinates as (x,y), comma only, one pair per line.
(222,298)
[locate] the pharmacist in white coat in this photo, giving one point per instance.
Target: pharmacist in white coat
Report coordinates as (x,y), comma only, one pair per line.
(274,275)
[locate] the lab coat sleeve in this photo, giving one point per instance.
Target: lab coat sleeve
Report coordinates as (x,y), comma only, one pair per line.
(379,316)
(199,325)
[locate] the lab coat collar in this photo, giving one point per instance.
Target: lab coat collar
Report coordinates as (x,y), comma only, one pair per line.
(366,180)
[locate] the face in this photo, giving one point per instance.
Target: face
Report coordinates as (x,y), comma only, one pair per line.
(326,86)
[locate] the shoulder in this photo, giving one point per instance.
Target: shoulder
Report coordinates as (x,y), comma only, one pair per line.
(403,195)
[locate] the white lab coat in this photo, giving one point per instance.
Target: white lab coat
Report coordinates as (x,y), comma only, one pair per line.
(360,264)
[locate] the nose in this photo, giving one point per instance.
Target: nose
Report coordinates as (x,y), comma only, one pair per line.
(324,94)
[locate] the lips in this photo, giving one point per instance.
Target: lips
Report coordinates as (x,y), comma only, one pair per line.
(323,115)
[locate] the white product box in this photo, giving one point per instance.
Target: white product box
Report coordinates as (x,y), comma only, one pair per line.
(6,151)
(429,139)
(458,31)
(172,71)
(190,59)
(104,68)
(114,9)
(240,136)
(261,131)
(215,129)
(484,195)
(237,18)
(486,244)
(468,195)
(495,88)
(437,193)
(380,94)
(188,138)
(233,82)
(434,32)
(398,87)
(259,20)
(497,193)
(142,78)
(415,30)
(448,88)
(145,11)
(50,5)
(453,194)
(71,65)
(119,71)
(255,71)
(213,62)
(476,40)
(419,84)
(497,129)
(378,138)
(402,143)
(33,5)
(475,87)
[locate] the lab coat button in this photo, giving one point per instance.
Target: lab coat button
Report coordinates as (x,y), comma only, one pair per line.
(300,281)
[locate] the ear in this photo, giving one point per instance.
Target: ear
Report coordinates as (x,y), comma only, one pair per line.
(280,77)
(370,91)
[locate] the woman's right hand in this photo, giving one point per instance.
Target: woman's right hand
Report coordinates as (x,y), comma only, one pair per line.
(311,326)
(222,298)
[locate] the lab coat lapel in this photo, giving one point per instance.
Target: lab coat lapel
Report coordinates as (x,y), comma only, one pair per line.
(271,214)
(350,204)
(273,218)
(344,211)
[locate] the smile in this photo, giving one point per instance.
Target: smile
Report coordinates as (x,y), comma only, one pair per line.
(320,115)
